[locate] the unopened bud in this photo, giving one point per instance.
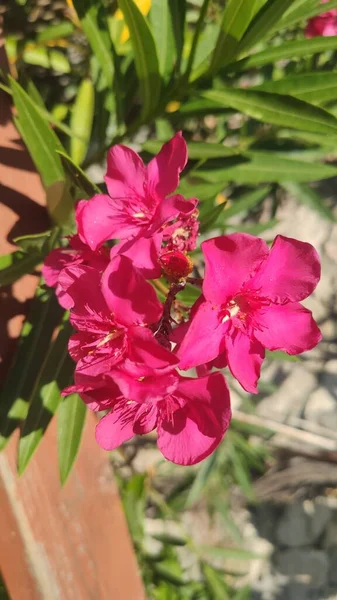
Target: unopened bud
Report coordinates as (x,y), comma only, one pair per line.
(176,264)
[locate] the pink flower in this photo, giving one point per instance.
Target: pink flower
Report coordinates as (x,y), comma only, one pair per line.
(139,204)
(60,258)
(251,302)
(191,419)
(111,315)
(324,24)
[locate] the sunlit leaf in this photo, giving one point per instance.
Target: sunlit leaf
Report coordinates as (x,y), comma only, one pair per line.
(81,120)
(70,423)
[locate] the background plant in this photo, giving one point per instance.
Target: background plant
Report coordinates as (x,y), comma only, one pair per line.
(257,104)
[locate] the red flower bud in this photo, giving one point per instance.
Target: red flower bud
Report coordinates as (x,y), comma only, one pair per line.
(176,264)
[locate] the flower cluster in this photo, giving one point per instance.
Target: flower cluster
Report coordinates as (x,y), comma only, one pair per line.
(324,24)
(131,349)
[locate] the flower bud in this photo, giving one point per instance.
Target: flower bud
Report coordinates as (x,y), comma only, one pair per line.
(176,264)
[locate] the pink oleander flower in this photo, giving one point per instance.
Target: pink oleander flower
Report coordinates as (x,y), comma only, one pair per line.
(138,206)
(324,24)
(111,315)
(250,302)
(77,253)
(191,418)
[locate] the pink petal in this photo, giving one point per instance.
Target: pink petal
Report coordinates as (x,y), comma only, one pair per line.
(203,339)
(143,252)
(291,272)
(289,327)
(146,418)
(83,285)
(192,432)
(126,173)
(164,169)
(144,388)
(230,260)
(146,356)
(245,357)
(103,218)
(57,260)
(172,208)
(132,299)
(117,427)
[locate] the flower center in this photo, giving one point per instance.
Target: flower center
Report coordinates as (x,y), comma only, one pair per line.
(242,306)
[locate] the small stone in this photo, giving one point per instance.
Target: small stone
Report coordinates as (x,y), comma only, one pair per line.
(291,396)
(304,566)
(330,538)
(293,529)
(321,408)
(331,245)
(333,566)
(319,514)
(329,378)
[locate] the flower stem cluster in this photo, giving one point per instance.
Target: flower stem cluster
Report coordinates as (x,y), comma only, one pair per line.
(131,355)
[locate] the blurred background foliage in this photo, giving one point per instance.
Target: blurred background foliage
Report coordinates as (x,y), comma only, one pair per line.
(257,104)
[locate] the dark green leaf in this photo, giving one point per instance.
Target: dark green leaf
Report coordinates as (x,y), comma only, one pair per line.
(145,56)
(36,334)
(54,375)
(215,583)
(263,23)
(204,473)
(178,16)
(172,540)
(246,202)
(78,177)
(303,12)
(134,501)
(54,32)
(169,570)
(34,241)
(236,19)
(279,110)
(70,420)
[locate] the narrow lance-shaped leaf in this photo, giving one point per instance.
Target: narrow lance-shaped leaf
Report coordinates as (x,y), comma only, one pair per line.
(164,37)
(45,315)
(145,56)
(93,18)
(178,16)
(45,396)
(311,198)
(236,19)
(263,23)
(291,50)
(18,264)
(303,12)
(81,120)
(260,167)
(276,109)
(70,421)
(39,138)
(78,177)
(316,88)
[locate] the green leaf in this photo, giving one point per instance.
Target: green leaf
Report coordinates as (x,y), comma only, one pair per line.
(81,120)
(215,583)
(279,355)
(164,37)
(263,23)
(18,264)
(178,16)
(206,45)
(308,196)
(78,177)
(39,138)
(246,202)
(93,18)
(236,19)
(54,32)
(303,12)
(287,50)
(54,375)
(145,56)
(262,167)
(202,191)
(196,150)
(35,241)
(232,553)
(48,59)
(134,502)
(169,570)
(209,219)
(35,338)
(243,594)
(204,472)
(276,109)
(172,540)
(70,420)
(316,88)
